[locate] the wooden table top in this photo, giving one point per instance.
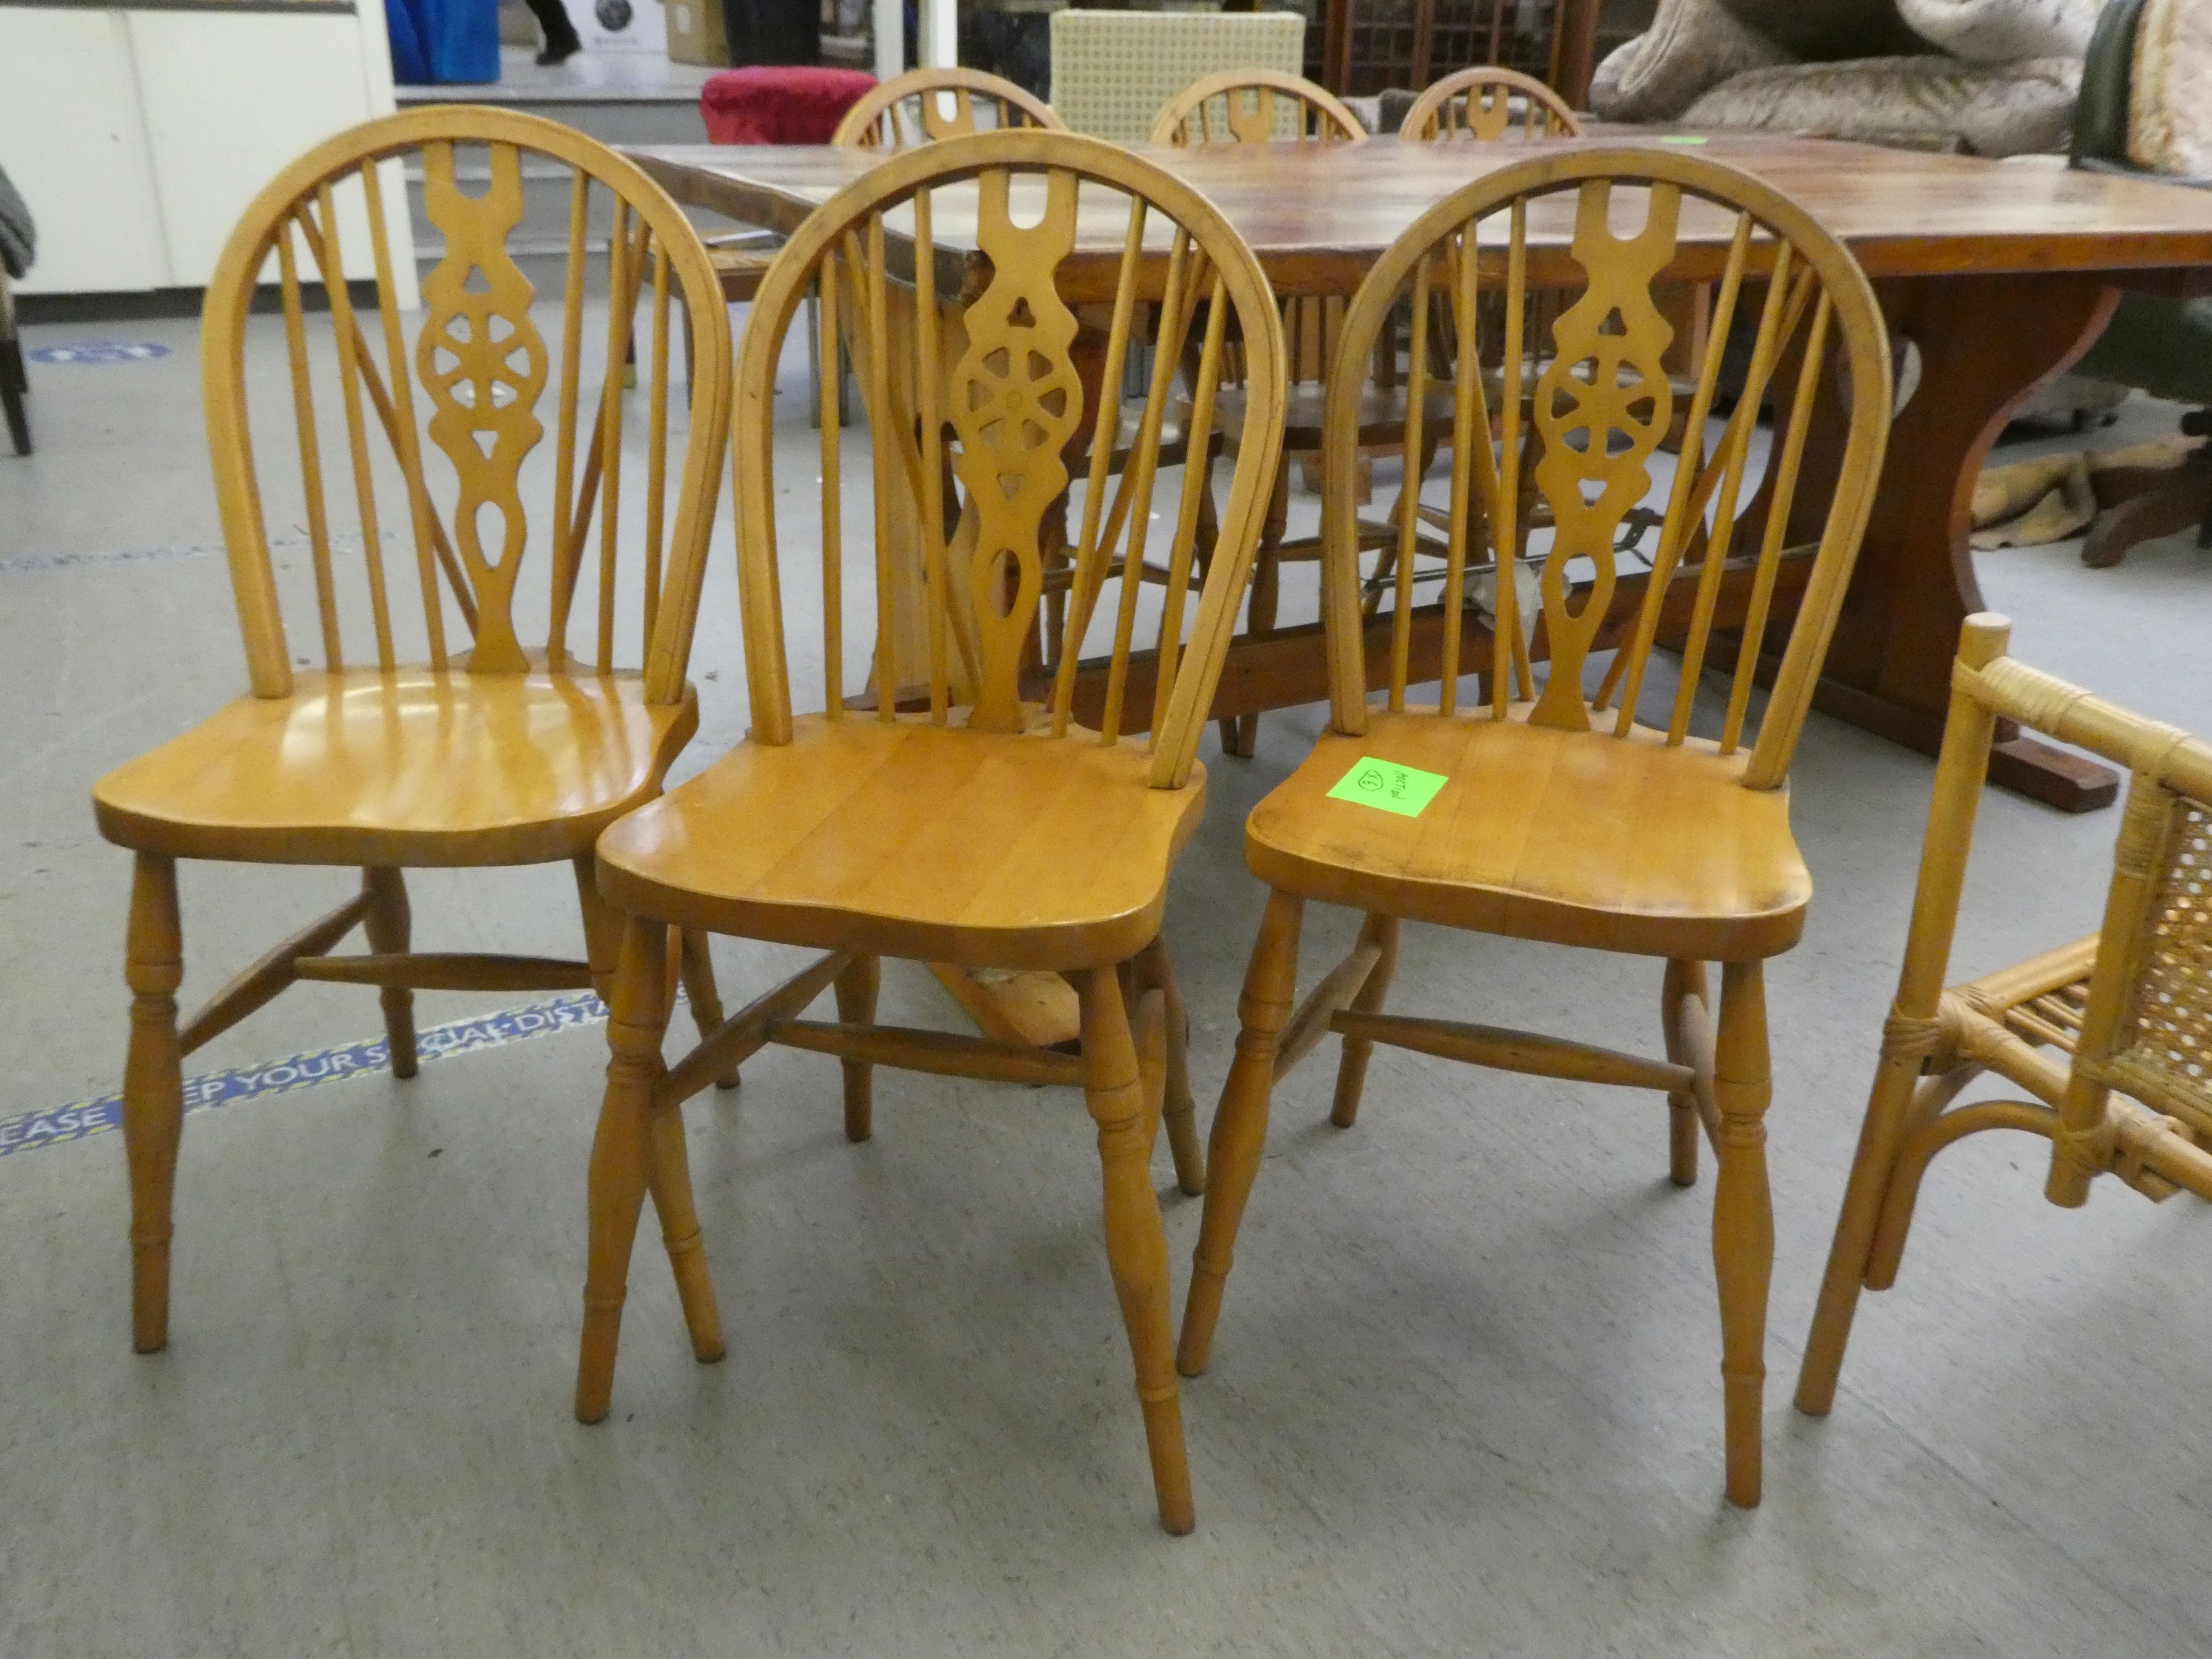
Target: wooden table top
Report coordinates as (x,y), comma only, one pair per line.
(1318,216)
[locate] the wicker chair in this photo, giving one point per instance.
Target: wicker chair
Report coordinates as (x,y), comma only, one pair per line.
(2108,1036)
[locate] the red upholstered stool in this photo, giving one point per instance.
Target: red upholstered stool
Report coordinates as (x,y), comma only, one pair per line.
(792,104)
(787,103)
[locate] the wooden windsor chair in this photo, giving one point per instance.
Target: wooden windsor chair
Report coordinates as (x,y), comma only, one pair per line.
(924,105)
(1259,107)
(1483,105)
(2107,1036)
(1559,817)
(458,746)
(1486,104)
(996,824)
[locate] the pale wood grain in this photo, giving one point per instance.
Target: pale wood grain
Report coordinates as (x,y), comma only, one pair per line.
(503,755)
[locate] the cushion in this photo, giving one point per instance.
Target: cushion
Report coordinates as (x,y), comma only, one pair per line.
(792,104)
(1692,46)
(2010,109)
(2004,31)
(1822,30)
(2170,116)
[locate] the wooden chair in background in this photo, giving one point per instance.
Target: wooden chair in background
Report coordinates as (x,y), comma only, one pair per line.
(984,827)
(1560,817)
(1488,103)
(925,105)
(1258,107)
(451,743)
(2108,1036)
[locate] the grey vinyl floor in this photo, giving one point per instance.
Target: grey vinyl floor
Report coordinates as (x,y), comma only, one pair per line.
(1464,1398)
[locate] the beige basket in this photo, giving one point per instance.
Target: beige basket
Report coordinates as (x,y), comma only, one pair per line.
(1112,71)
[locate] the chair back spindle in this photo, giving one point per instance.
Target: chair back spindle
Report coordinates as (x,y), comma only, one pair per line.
(1539,282)
(924,105)
(1486,104)
(1255,106)
(433,436)
(971,291)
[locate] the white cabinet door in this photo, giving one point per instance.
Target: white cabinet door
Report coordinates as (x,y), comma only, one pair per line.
(72,140)
(228,101)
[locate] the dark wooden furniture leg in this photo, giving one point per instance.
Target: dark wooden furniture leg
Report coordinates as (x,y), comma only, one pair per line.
(1984,342)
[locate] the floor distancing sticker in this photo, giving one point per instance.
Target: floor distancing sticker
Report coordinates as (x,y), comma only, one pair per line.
(459,1037)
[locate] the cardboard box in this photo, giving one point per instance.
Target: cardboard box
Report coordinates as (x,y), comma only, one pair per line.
(612,25)
(696,34)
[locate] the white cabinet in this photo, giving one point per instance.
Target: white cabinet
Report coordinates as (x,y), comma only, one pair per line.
(137,136)
(73,143)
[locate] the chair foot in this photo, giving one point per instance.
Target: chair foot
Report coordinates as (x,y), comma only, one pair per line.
(623,1153)
(1136,1240)
(1240,1123)
(1381,932)
(389,924)
(706,999)
(1686,1022)
(1178,1112)
(1743,1219)
(856,990)
(153,1091)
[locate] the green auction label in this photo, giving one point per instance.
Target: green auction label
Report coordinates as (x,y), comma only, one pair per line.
(1401,789)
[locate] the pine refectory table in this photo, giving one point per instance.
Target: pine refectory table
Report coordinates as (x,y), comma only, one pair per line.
(2000,274)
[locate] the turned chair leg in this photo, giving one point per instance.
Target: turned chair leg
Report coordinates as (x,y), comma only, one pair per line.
(705,997)
(153,1091)
(389,924)
(1850,1260)
(1178,1112)
(1136,1240)
(1743,1219)
(1685,1012)
(637,1147)
(1240,1121)
(856,988)
(1381,932)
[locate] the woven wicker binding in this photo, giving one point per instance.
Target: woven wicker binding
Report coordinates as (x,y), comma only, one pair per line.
(1112,70)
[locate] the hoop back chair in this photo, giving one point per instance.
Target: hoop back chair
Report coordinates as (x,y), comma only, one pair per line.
(1253,105)
(1562,816)
(965,808)
(925,104)
(432,735)
(1481,104)
(2107,1036)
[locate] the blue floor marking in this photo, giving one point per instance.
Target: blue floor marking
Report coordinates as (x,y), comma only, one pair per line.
(459,1037)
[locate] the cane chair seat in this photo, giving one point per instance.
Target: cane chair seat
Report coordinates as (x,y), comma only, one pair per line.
(906,840)
(1542,834)
(2107,1042)
(411,768)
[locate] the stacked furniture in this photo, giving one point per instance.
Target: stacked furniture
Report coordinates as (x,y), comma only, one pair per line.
(2147,109)
(1992,77)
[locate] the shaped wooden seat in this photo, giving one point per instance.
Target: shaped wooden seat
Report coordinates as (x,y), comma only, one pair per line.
(933,842)
(938,815)
(412,768)
(1560,813)
(2105,1037)
(1539,833)
(431,736)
